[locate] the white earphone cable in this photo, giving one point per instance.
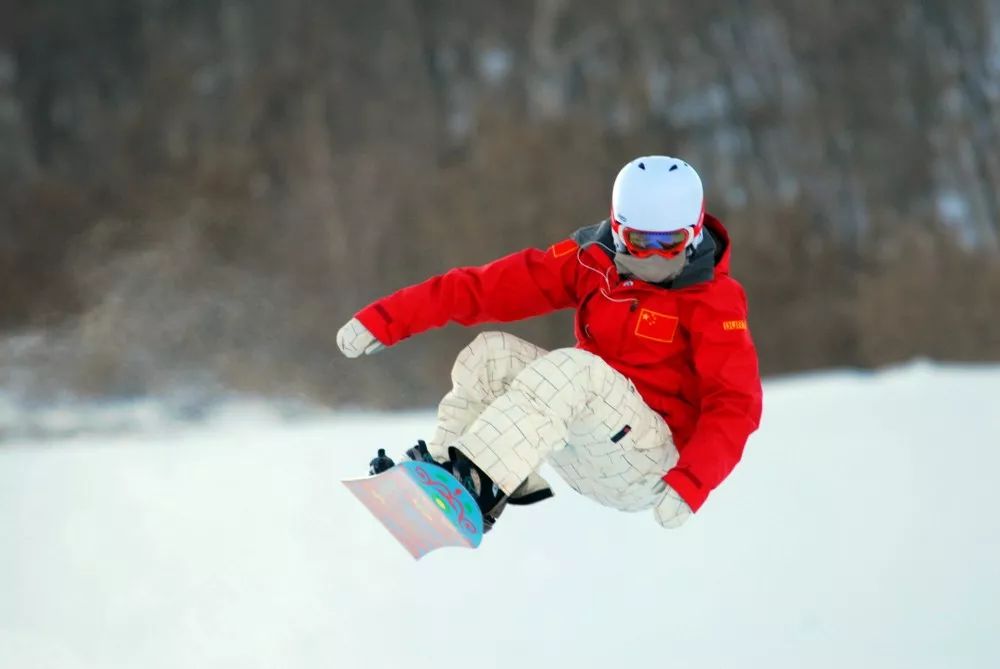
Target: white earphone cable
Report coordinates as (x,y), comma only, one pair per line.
(603,275)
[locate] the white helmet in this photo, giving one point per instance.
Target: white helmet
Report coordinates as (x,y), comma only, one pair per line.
(658,194)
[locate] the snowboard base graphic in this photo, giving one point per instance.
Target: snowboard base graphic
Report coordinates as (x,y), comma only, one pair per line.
(423,506)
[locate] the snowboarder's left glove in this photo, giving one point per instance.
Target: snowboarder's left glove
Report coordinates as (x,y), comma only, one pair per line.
(354,339)
(672,511)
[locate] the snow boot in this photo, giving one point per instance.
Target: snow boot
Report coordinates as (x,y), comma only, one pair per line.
(490,498)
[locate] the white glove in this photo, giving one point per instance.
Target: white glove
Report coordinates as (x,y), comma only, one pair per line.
(354,340)
(672,511)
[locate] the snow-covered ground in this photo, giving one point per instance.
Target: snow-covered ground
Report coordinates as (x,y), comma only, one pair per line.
(861,530)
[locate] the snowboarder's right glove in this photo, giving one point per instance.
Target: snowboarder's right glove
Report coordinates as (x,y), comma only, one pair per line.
(354,340)
(672,511)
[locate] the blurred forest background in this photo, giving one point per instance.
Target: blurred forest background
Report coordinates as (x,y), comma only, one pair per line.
(198,193)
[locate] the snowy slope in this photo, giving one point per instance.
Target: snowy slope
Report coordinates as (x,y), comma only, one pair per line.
(860,531)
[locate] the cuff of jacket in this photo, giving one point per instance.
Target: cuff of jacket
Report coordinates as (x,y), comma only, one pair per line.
(687,486)
(376,318)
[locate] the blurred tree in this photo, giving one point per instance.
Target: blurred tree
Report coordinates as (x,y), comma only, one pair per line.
(219,184)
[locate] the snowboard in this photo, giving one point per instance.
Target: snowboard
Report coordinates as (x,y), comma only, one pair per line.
(423,506)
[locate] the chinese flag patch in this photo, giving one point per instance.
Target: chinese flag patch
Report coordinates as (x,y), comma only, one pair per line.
(562,248)
(656,326)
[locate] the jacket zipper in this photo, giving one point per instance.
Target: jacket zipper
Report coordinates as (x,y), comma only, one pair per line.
(633,304)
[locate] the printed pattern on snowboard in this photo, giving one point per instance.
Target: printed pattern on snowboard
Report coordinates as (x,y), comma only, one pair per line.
(423,506)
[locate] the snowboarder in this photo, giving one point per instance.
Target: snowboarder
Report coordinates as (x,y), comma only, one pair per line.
(652,407)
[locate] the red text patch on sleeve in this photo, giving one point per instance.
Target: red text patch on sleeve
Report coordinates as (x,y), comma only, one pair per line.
(656,326)
(562,248)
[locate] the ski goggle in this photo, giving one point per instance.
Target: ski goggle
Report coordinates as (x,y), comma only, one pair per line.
(645,243)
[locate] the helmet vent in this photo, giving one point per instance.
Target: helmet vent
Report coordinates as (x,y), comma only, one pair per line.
(642,166)
(672,168)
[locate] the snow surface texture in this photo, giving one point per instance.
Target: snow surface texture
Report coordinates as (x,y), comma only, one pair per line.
(861,530)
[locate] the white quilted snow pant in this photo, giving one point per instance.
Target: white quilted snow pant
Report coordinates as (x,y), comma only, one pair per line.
(515,405)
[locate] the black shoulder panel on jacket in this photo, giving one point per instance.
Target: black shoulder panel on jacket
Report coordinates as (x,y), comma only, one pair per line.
(701,266)
(599,235)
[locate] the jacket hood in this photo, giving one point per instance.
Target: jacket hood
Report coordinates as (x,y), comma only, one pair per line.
(722,243)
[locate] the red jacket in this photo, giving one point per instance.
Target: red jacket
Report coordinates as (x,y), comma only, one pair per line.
(686,347)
